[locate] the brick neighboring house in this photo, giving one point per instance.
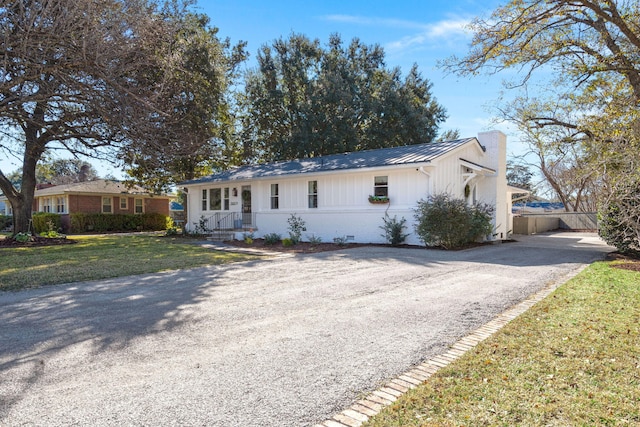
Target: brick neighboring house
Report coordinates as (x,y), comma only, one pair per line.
(98,196)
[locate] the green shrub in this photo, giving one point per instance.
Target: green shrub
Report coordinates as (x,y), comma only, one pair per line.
(6,221)
(314,240)
(248,237)
(272,238)
(449,222)
(41,222)
(286,242)
(22,237)
(393,230)
(51,232)
(620,220)
(296,227)
(101,223)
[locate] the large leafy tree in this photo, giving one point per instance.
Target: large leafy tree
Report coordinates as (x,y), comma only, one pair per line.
(560,153)
(91,78)
(197,135)
(586,52)
(306,100)
(57,171)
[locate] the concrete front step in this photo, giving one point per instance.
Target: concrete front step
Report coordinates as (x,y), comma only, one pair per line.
(221,236)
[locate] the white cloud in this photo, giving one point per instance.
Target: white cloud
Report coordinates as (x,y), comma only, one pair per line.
(373,21)
(424,34)
(433,34)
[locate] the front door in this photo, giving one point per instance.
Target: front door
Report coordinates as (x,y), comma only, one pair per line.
(246,205)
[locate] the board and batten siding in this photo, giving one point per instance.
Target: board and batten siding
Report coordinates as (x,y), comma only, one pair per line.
(343,207)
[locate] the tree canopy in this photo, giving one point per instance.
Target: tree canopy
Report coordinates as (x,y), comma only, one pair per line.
(97,79)
(585,53)
(58,171)
(306,100)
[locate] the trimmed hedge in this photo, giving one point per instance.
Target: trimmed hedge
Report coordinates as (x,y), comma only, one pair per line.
(41,222)
(5,221)
(100,223)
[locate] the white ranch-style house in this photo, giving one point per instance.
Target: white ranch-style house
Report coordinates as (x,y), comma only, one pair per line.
(347,195)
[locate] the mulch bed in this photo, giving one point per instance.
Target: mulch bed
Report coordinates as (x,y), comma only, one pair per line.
(310,248)
(35,241)
(624,261)
(301,248)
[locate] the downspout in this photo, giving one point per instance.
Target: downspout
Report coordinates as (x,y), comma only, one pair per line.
(428,175)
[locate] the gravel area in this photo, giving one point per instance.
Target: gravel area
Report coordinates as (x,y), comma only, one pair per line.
(286,341)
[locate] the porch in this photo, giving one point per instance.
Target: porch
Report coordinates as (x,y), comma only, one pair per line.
(224,225)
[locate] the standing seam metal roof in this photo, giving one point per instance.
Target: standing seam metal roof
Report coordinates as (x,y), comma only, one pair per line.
(407,154)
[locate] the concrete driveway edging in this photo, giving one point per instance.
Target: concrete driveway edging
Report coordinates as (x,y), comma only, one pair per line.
(376,401)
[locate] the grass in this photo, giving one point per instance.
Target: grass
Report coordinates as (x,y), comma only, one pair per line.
(101,257)
(571,360)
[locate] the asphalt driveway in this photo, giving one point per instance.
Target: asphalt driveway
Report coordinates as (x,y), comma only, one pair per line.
(277,342)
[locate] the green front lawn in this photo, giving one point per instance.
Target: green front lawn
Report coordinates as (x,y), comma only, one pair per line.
(572,360)
(101,257)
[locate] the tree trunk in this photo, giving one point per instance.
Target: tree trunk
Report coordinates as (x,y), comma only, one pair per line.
(20,220)
(23,202)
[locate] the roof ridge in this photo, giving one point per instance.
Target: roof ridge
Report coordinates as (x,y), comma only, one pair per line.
(378,157)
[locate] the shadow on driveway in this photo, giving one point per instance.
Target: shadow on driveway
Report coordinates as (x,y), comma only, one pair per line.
(347,319)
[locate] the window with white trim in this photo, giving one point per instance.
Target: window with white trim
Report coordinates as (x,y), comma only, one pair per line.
(61,204)
(138,206)
(381,186)
(313,194)
(275,195)
(225,200)
(124,203)
(107,205)
(46,204)
(204,200)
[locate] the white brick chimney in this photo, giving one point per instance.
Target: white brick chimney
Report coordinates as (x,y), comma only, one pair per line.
(495,143)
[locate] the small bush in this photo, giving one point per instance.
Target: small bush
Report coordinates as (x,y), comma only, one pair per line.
(286,242)
(340,241)
(296,227)
(22,237)
(314,240)
(393,230)
(248,237)
(44,222)
(272,238)
(51,233)
(443,220)
(202,226)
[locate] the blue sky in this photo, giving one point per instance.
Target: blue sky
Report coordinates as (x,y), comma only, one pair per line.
(421,32)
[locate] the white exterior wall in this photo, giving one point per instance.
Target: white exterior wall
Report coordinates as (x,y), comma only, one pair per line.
(343,207)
